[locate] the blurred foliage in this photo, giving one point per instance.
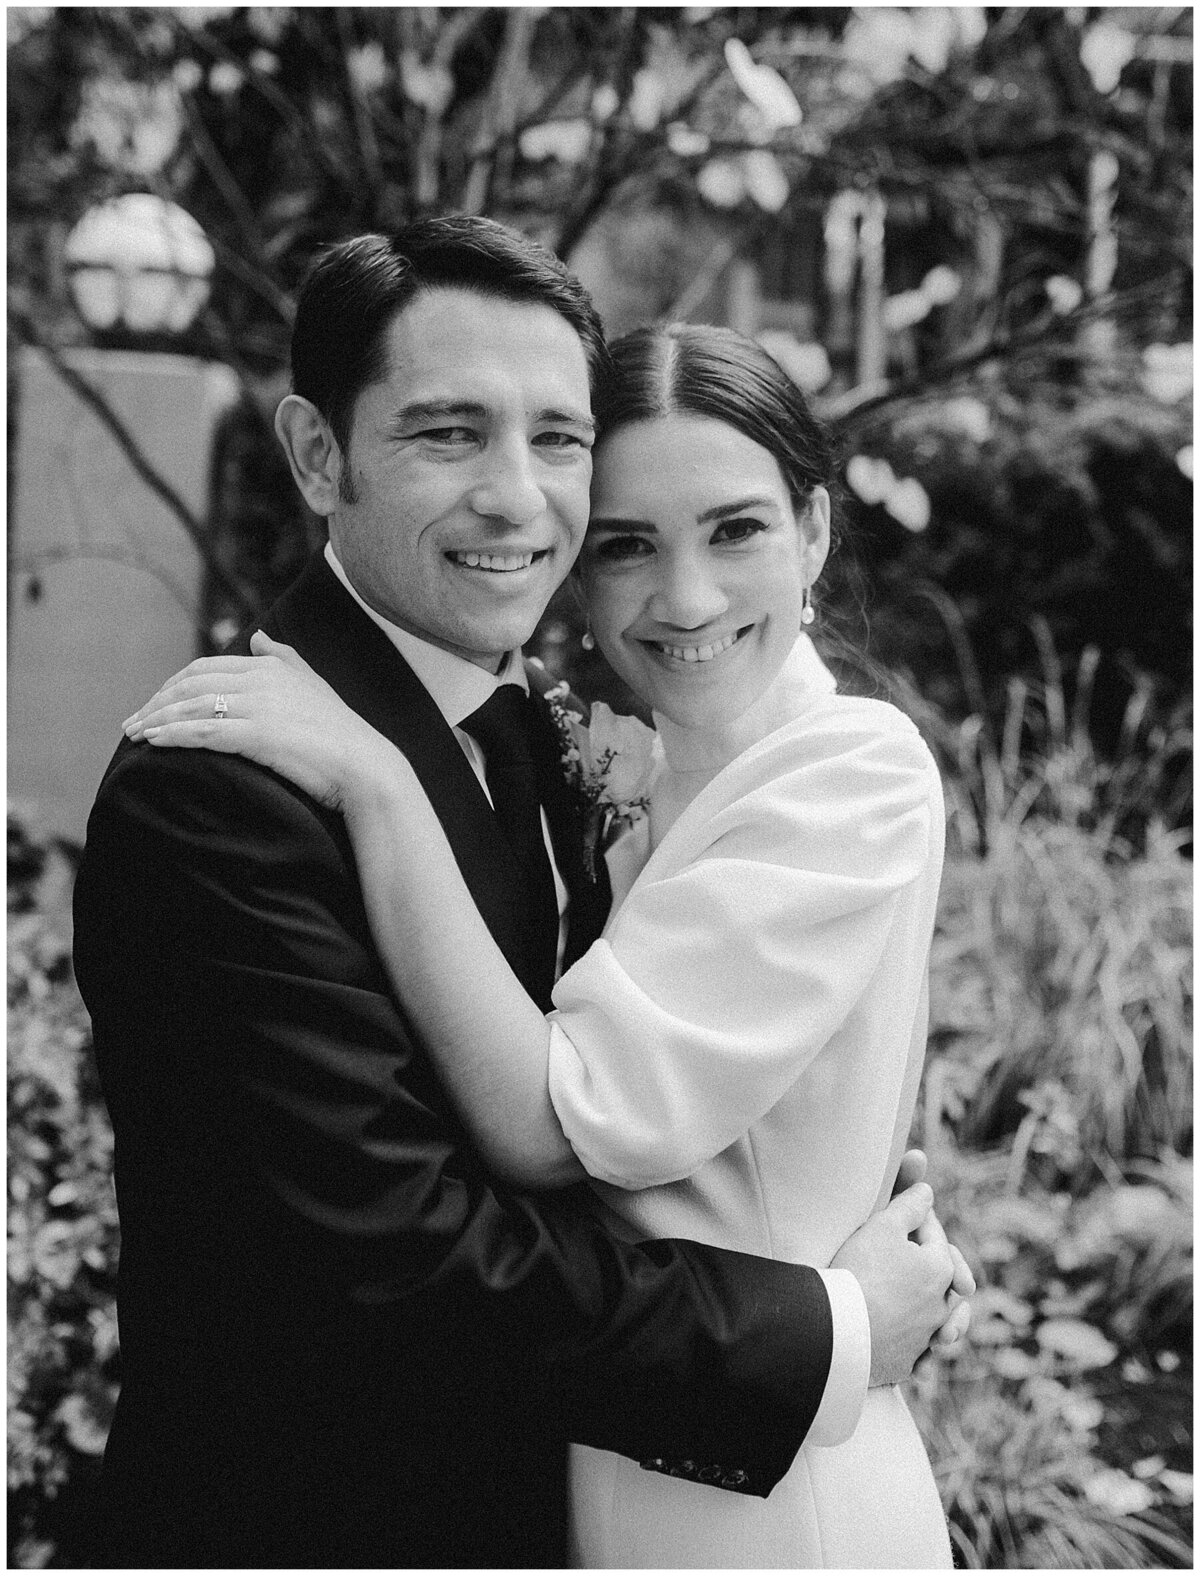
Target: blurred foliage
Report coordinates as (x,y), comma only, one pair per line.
(1056,1109)
(62,1236)
(1018,500)
(657,148)
(1061,968)
(1069,512)
(1060,1431)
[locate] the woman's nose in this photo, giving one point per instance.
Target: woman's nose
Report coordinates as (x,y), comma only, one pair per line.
(507,488)
(688,595)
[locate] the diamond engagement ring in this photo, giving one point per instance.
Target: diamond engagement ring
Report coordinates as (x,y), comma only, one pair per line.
(220,707)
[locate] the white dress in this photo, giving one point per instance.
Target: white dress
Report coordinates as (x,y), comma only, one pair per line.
(736,1061)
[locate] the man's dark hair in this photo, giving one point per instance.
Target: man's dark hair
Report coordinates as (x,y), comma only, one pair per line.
(354,290)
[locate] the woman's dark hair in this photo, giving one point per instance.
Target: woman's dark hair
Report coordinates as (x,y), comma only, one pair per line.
(696,370)
(354,290)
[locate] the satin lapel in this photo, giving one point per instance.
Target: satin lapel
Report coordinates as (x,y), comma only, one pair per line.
(331,632)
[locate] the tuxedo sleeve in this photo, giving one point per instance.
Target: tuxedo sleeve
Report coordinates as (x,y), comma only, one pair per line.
(218,914)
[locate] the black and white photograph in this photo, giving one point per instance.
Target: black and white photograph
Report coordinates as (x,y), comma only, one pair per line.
(600,787)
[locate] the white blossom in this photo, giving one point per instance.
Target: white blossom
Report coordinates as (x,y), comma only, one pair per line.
(1167,372)
(807,364)
(1118,1493)
(566,140)
(684,142)
(1105,50)
(870,477)
(908,504)
(1065,293)
(646,100)
(770,94)
(1079,1343)
(765,180)
(940,285)
(722,182)
(367,67)
(631,748)
(224,79)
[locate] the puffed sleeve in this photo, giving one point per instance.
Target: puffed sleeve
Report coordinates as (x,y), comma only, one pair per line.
(745,944)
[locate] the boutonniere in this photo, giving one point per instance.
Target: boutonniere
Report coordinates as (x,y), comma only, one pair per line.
(608,764)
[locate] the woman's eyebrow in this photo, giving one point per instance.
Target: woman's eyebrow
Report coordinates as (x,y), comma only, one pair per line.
(722,511)
(613,523)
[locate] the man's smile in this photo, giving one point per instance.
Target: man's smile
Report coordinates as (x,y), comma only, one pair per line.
(497,563)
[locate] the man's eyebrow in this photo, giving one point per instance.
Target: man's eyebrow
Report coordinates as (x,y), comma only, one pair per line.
(575,418)
(423,410)
(441,410)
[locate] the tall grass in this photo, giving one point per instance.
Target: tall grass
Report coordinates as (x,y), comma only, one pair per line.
(1057,1110)
(1039,758)
(1083,1308)
(1062,964)
(1061,999)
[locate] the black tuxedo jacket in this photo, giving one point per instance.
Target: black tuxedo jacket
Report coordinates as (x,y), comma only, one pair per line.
(343,1342)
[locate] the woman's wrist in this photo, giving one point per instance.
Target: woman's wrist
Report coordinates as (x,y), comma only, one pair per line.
(376,781)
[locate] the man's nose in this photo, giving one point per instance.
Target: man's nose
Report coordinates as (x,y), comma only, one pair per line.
(508,489)
(688,595)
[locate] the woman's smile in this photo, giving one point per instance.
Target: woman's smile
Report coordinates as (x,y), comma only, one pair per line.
(692,650)
(695,572)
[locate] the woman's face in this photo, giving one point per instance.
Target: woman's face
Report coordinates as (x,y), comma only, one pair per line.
(695,564)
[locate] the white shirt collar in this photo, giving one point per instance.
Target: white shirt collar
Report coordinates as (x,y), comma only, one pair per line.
(457,686)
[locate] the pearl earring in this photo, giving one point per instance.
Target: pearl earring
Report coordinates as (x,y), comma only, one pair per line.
(587,640)
(807,612)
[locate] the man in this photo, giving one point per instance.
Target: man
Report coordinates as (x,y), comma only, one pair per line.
(343,1342)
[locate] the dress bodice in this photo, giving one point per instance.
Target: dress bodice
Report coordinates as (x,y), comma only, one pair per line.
(737,1059)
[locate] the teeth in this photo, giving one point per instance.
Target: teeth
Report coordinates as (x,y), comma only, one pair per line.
(504,563)
(699,653)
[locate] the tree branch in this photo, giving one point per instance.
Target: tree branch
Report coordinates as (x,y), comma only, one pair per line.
(368,143)
(856,403)
(503,102)
(429,142)
(287,111)
(29,563)
(130,448)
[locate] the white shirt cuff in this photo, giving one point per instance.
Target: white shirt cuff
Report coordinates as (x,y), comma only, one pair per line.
(850,1367)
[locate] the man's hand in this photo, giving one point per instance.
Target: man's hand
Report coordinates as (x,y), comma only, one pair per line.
(904,1281)
(913,1166)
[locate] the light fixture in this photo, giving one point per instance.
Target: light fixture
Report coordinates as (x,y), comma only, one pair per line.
(139,263)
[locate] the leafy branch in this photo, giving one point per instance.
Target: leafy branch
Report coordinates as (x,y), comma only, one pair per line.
(89,395)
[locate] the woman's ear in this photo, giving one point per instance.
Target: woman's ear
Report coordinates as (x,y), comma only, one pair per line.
(312,452)
(814,528)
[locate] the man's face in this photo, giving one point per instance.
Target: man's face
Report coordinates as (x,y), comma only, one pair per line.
(465,489)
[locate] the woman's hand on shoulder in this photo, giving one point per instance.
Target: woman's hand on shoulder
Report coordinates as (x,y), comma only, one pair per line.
(270,707)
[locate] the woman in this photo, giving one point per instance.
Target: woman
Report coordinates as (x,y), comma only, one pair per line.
(737,1059)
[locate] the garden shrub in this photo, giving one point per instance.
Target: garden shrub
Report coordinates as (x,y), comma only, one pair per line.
(62,1357)
(1055,1108)
(1071,508)
(1083,1316)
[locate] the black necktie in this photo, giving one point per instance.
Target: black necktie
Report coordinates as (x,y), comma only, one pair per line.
(502,725)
